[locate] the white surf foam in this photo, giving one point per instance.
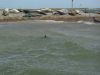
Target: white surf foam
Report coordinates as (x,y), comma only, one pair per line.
(86,22)
(50,21)
(89,23)
(80,21)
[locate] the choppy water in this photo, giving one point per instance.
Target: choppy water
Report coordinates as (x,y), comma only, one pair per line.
(69,49)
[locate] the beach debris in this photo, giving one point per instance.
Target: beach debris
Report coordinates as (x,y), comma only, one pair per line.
(72,12)
(60,12)
(5,12)
(47,10)
(26,11)
(79,12)
(14,11)
(95,20)
(32,15)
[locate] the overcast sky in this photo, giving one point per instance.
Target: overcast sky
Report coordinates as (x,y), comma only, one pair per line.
(48,3)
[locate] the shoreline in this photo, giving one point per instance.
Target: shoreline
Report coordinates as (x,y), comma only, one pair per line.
(52,19)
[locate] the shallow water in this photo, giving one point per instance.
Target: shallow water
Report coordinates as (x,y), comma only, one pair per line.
(69,49)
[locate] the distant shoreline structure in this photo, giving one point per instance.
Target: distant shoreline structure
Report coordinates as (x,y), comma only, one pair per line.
(57,14)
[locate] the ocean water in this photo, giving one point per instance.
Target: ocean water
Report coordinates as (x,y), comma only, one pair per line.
(69,49)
